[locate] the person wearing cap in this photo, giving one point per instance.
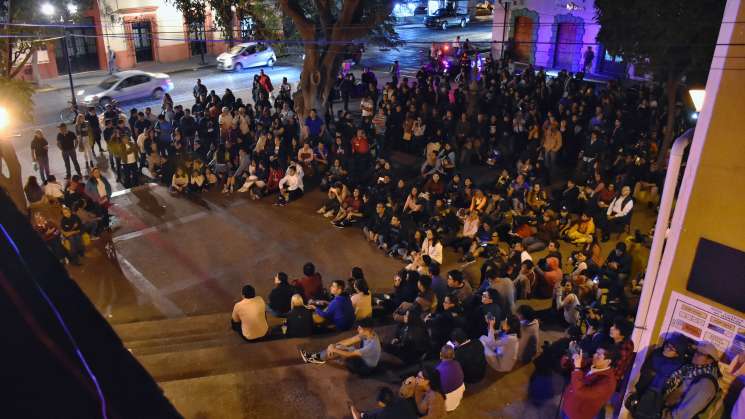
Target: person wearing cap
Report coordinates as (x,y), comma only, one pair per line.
(646,398)
(67,142)
(690,390)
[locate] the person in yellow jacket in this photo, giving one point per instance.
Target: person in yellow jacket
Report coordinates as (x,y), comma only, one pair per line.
(582,231)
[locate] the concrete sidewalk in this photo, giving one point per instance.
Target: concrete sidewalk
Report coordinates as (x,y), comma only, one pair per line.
(89,78)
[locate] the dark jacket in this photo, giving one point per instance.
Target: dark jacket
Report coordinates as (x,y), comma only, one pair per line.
(279,298)
(299,323)
(470,355)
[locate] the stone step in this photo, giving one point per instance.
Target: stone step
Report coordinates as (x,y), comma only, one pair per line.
(174,327)
(290,391)
(183,343)
(223,355)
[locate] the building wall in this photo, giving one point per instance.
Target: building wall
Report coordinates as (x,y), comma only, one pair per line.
(710,203)
(547,14)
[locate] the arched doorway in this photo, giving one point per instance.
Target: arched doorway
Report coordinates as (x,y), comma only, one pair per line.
(564,54)
(524,29)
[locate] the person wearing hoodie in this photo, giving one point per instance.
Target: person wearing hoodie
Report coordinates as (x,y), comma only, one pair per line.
(547,280)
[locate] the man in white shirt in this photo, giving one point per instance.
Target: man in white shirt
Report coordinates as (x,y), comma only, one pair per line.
(291,185)
(249,317)
(618,213)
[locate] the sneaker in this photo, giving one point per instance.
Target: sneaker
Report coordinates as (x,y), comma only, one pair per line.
(315,359)
(320,211)
(329,214)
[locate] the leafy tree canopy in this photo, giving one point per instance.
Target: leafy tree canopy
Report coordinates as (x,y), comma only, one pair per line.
(669,38)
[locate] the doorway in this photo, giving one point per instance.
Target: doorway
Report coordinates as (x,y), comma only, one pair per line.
(81,45)
(565,53)
(523,39)
(142,38)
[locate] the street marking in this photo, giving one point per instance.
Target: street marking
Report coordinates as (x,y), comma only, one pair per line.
(159,300)
(160,227)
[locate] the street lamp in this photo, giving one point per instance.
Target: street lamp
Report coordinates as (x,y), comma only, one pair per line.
(48,10)
(12,182)
(697,97)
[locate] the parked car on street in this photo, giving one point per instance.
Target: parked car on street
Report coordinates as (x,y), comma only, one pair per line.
(444,18)
(246,55)
(126,86)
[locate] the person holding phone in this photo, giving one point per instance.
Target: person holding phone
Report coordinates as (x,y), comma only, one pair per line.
(500,346)
(588,391)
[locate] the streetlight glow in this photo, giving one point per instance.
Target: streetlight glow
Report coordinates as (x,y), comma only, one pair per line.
(72,8)
(697,96)
(4,118)
(47,9)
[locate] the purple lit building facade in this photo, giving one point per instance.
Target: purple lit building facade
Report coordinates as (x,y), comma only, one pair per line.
(553,34)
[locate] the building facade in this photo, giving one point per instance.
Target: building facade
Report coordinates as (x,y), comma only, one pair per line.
(137,31)
(552,34)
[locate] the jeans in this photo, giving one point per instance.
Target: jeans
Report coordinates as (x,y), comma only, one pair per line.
(67,156)
(43,163)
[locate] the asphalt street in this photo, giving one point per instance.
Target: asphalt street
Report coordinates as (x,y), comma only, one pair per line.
(49,104)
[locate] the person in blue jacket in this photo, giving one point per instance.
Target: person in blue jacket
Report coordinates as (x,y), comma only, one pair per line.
(338,312)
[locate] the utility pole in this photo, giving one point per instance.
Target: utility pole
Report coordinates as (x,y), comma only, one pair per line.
(69,65)
(506,5)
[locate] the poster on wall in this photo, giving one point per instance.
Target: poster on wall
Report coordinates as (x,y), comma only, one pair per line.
(700,321)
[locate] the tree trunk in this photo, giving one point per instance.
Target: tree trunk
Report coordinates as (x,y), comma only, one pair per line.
(317,78)
(12,183)
(35,66)
(673,81)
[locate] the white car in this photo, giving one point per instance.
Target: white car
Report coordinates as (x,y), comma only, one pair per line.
(126,86)
(246,55)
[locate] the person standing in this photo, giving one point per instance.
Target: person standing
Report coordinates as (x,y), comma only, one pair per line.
(588,57)
(95,126)
(395,73)
(67,142)
(98,190)
(199,90)
(82,130)
(40,154)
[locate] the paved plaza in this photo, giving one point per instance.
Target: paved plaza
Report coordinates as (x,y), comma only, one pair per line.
(178,268)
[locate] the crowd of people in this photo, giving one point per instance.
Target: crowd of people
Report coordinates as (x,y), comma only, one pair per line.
(513,163)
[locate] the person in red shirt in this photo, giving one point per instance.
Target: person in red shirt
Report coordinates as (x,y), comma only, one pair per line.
(265,82)
(588,391)
(310,285)
(360,144)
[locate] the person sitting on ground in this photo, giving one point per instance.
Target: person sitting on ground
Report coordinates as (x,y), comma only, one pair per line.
(587,392)
(426,299)
(299,323)
(546,281)
(311,284)
(332,203)
(430,400)
(582,231)
(339,311)
(410,342)
(361,299)
(34,193)
(501,346)
(290,186)
(53,190)
(50,233)
(390,406)
(458,286)
(360,353)
(470,355)
(440,324)
(179,181)
(451,378)
(280,295)
(249,316)
(529,334)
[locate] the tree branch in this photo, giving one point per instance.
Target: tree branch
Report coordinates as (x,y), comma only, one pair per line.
(324,15)
(305,27)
